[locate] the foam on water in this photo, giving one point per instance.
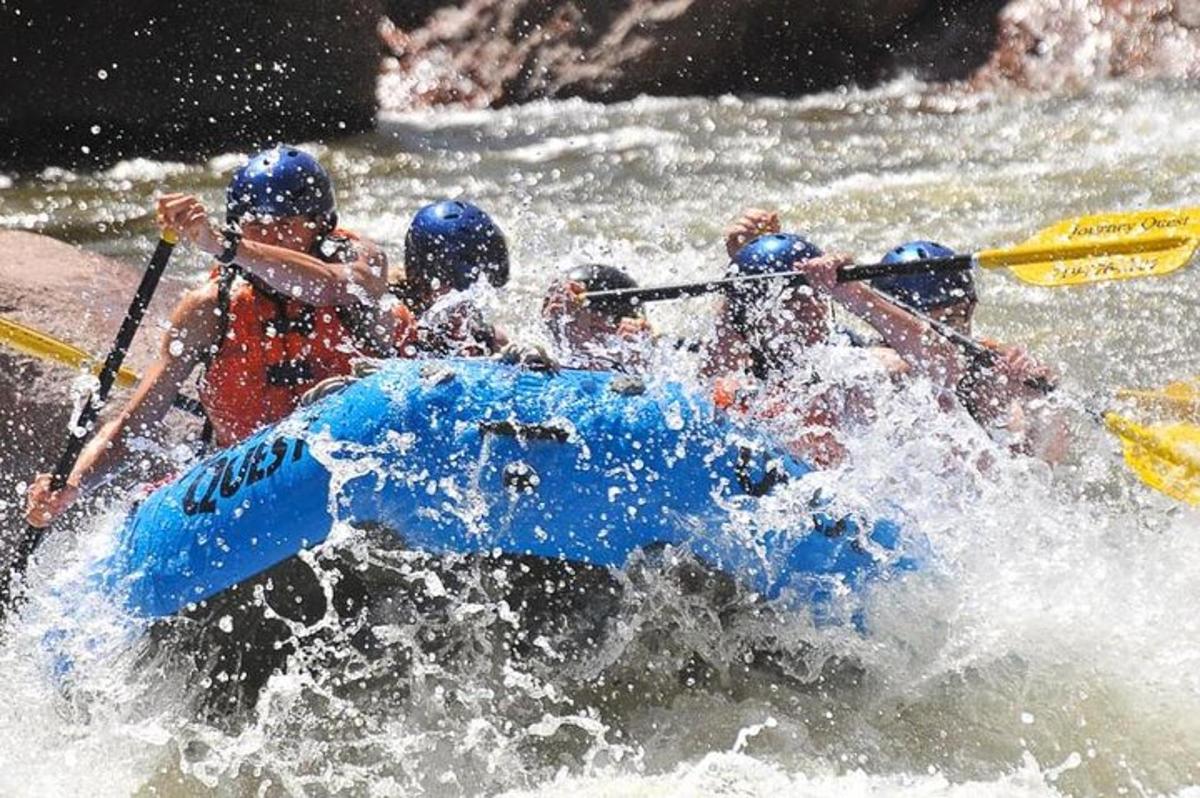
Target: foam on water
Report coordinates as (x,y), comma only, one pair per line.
(1051,647)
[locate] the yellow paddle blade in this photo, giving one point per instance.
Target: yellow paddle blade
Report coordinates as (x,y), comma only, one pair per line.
(1179,400)
(1165,457)
(1111,246)
(34,343)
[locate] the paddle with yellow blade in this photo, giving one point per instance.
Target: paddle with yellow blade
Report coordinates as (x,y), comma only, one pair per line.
(1179,400)
(1075,251)
(1164,456)
(35,343)
(1084,249)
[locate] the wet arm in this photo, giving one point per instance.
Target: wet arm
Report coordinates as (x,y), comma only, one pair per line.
(193,321)
(312,280)
(912,339)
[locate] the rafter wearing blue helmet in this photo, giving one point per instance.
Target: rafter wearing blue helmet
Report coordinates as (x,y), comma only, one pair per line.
(290,302)
(772,319)
(451,246)
(281,182)
(998,389)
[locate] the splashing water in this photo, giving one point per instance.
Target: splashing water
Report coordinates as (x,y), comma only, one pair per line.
(1053,648)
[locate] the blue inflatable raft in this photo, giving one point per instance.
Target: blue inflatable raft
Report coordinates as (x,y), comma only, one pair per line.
(475,456)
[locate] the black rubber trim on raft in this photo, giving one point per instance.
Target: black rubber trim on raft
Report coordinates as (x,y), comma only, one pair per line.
(520,431)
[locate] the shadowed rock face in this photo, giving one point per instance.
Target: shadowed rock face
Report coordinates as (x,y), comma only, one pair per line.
(99,81)
(498,52)
(91,83)
(495,52)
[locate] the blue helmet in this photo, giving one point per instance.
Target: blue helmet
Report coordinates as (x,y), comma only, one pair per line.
(457,243)
(281,181)
(926,292)
(777,252)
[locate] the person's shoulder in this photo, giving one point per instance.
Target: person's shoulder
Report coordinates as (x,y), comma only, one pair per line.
(404,320)
(197,315)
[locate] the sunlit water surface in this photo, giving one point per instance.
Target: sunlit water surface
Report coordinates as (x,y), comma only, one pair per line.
(1054,646)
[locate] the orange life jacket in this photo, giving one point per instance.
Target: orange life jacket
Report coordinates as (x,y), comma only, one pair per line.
(728,394)
(274,349)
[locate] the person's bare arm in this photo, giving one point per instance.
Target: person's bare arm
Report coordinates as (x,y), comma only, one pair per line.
(194,329)
(292,273)
(311,280)
(912,339)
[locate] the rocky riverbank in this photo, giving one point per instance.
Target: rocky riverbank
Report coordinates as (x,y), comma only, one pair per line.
(501,52)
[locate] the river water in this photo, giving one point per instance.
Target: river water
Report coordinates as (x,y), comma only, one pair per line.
(1054,648)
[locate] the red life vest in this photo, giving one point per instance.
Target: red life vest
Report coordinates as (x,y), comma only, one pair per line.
(808,430)
(273,350)
(404,339)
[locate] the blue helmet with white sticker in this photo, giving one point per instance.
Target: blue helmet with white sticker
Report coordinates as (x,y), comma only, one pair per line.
(777,252)
(768,254)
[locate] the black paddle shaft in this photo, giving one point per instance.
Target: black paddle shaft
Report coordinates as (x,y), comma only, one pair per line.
(846,274)
(112,364)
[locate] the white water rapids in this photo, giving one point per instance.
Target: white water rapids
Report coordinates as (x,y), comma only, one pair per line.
(1054,648)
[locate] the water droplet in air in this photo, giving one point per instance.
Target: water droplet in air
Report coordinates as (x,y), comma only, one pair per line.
(175,348)
(102,74)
